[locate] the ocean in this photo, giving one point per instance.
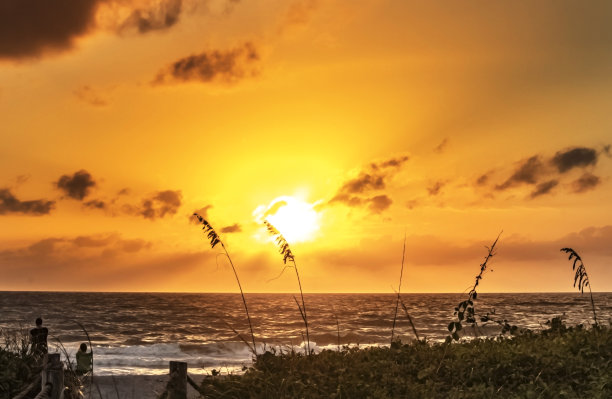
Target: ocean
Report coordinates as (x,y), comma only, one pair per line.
(139,333)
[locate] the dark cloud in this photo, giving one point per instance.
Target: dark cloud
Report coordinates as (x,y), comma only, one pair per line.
(161,204)
(435,188)
(548,172)
(158,16)
(76,186)
(90,96)
(10,204)
(527,172)
(578,157)
(234,228)
(544,188)
(358,191)
(29,28)
(379,203)
(442,146)
(228,66)
(586,182)
(96,204)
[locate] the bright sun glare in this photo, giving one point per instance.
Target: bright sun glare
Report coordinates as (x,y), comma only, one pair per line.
(297,220)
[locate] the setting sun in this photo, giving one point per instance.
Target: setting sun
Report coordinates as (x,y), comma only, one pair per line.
(296,219)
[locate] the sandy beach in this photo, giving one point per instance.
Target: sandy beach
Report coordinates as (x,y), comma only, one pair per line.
(135,386)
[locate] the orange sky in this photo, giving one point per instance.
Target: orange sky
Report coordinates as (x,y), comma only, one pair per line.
(446,121)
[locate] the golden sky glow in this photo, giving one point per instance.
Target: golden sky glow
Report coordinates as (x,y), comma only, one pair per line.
(345,124)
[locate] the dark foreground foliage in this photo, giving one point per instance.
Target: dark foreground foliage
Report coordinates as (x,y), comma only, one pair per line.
(16,364)
(557,363)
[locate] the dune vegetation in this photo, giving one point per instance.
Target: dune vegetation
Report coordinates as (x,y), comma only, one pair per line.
(556,362)
(560,362)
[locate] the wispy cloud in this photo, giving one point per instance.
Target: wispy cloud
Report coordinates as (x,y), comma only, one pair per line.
(157,15)
(234,228)
(90,96)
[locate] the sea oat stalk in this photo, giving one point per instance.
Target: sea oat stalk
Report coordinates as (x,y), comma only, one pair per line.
(285,250)
(581,277)
(214,240)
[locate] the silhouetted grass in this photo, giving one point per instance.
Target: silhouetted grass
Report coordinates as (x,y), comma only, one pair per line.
(399,289)
(214,240)
(285,250)
(581,277)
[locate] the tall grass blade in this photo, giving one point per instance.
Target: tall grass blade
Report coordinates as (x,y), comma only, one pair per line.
(399,288)
(214,240)
(414,330)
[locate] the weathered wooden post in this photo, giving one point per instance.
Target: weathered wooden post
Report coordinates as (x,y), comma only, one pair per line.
(55,375)
(177,386)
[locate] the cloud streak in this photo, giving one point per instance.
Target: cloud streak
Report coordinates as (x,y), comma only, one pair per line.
(226,66)
(546,173)
(9,204)
(234,228)
(579,157)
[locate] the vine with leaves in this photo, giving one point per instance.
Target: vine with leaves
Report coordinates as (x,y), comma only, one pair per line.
(465,310)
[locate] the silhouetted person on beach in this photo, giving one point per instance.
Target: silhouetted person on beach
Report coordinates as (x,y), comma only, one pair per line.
(39,339)
(84,360)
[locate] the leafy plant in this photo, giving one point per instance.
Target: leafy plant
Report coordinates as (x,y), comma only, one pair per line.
(465,309)
(214,240)
(581,277)
(285,251)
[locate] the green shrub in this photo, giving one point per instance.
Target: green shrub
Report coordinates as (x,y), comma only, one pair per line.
(566,362)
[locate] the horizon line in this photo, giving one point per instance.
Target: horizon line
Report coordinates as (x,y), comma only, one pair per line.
(289,292)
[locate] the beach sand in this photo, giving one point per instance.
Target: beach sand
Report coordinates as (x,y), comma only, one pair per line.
(135,386)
